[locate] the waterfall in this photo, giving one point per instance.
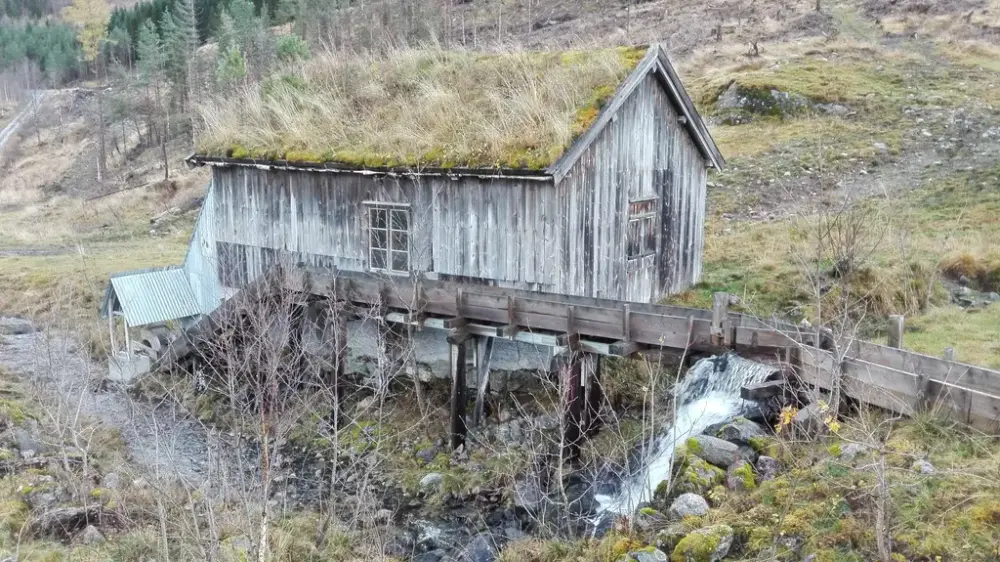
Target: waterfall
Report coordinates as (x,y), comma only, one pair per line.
(708,394)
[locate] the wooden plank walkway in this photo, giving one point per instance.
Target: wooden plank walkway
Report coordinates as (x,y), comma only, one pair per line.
(896,379)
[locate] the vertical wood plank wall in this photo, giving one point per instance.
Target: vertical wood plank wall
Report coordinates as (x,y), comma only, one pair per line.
(496,231)
(619,167)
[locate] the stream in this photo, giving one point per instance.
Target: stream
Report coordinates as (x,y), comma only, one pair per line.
(708,394)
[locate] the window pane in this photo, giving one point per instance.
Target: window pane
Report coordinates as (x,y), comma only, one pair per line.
(378,218)
(400,261)
(400,219)
(378,259)
(400,240)
(380,239)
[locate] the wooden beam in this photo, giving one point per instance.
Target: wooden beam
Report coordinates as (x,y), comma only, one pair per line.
(459,430)
(340,351)
(720,319)
(624,348)
(896,331)
(595,398)
(484,353)
(573,403)
(764,390)
(458,335)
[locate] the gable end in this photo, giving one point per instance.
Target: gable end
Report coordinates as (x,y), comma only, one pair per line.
(656,62)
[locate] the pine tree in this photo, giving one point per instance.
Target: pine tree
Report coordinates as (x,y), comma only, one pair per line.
(150,51)
(152,62)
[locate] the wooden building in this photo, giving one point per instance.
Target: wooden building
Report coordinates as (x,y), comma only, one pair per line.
(618,213)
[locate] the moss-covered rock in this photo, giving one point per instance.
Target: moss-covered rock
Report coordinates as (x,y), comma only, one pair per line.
(709,544)
(694,475)
(741,477)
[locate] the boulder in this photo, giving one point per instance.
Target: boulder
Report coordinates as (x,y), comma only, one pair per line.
(740,476)
(709,544)
(688,504)
(111,480)
(666,539)
(427,454)
(809,421)
(647,519)
(923,467)
(15,326)
(432,535)
(430,556)
(431,482)
(63,522)
(691,474)
(90,535)
(481,549)
(741,431)
(649,554)
(739,104)
(748,453)
(27,444)
(768,468)
(851,450)
(718,452)
(527,494)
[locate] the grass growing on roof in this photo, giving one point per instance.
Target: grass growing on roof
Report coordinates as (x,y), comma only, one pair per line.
(415,107)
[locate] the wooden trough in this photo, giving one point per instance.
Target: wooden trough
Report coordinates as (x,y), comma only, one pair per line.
(584,329)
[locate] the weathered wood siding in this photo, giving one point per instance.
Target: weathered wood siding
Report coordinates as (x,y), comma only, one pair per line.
(497,231)
(683,197)
(644,153)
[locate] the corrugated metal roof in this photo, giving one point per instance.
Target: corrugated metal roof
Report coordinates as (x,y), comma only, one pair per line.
(155,295)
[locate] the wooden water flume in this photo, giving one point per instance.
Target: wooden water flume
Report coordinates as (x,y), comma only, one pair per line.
(582,330)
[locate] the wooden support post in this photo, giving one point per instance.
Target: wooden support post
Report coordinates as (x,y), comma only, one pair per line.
(896,331)
(720,318)
(128,338)
(484,352)
(573,404)
(111,330)
(458,426)
(595,398)
(339,371)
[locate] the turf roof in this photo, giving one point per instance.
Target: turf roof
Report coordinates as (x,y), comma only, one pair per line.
(414,108)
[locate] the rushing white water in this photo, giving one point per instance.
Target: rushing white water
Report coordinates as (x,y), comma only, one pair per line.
(708,394)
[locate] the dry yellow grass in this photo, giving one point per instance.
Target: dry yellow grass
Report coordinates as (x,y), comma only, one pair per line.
(413,107)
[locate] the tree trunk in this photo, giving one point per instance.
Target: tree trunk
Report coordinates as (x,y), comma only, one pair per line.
(102,158)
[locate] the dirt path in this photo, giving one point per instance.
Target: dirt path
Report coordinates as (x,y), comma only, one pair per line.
(36,100)
(163,442)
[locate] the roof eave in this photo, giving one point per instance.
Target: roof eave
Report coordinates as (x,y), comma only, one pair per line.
(408,171)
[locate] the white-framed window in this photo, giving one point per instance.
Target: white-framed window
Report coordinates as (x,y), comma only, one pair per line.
(388,237)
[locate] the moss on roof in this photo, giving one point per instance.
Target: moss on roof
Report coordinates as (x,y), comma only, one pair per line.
(413,108)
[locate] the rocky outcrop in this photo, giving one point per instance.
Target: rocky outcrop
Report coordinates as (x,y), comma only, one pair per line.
(740,104)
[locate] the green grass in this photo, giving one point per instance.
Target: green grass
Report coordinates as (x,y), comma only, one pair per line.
(421,107)
(975,335)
